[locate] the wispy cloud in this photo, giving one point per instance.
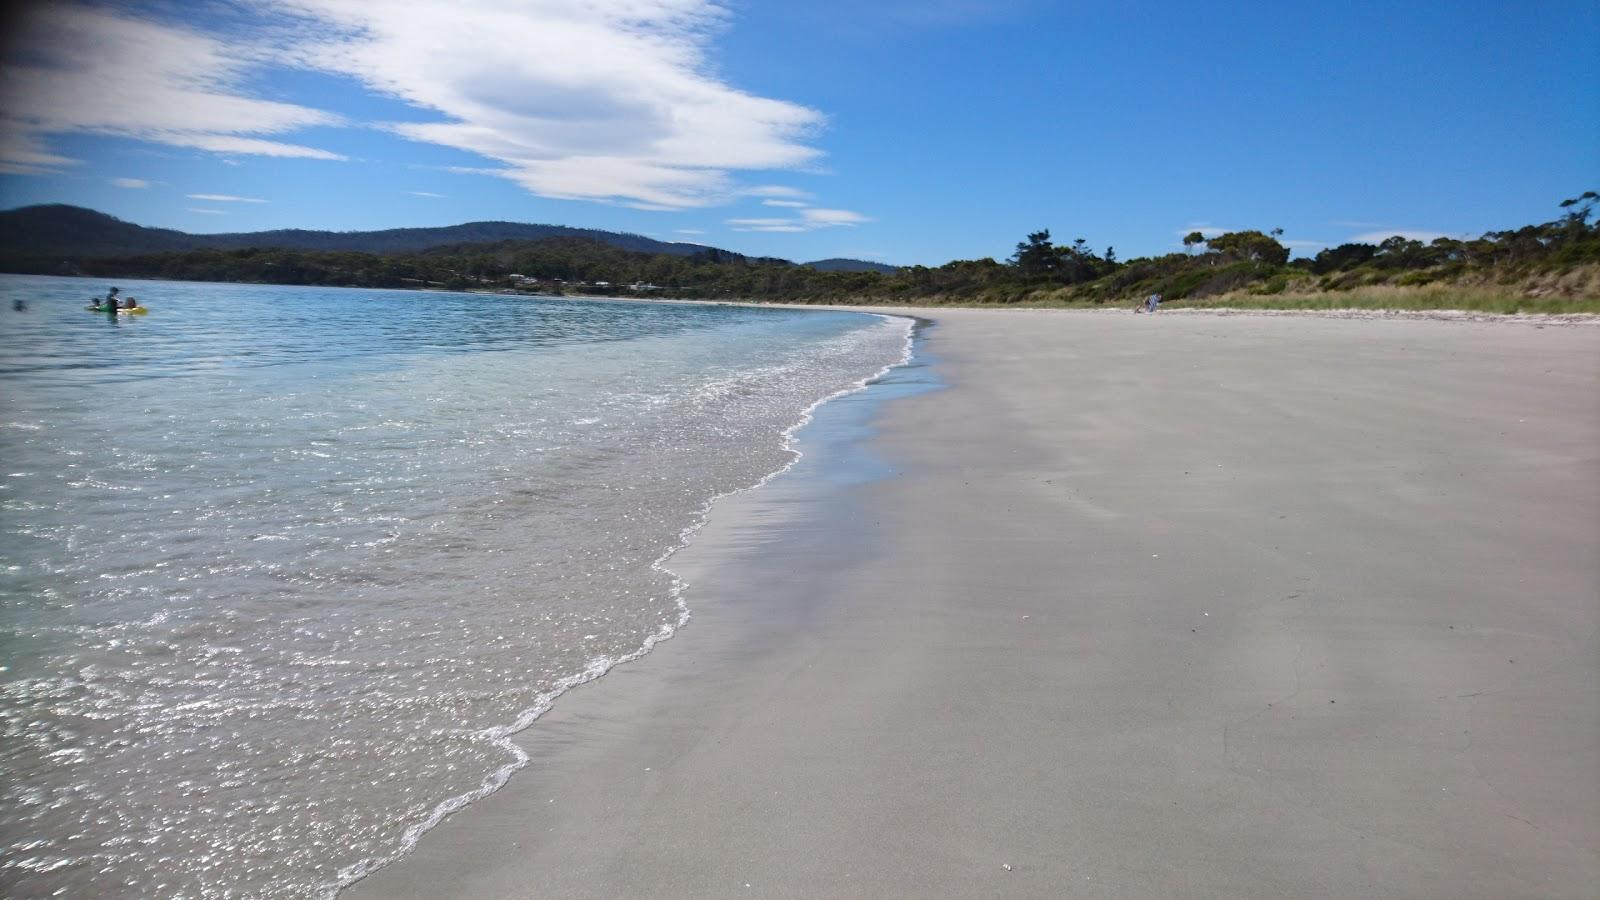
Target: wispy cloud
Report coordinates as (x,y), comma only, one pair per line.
(23,152)
(16,168)
(611,100)
(776,190)
(766,225)
(807,220)
(616,101)
(827,218)
(790,204)
(1206,229)
(690,231)
(224,198)
(206,212)
(77,69)
(1351,223)
(130,183)
(426,194)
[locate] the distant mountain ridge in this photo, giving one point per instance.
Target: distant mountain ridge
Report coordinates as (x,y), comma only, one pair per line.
(840,264)
(73,231)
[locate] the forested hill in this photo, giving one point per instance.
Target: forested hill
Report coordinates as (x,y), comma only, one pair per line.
(1553,266)
(837,264)
(65,231)
(72,232)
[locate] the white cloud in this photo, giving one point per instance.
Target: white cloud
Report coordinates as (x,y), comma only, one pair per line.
(94,70)
(807,220)
(224,198)
(130,182)
(611,100)
(206,212)
(690,231)
(827,218)
(227,143)
(790,204)
(426,194)
(616,101)
(776,190)
(22,153)
(1378,237)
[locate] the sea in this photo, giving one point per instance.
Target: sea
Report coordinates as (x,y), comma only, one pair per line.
(283,568)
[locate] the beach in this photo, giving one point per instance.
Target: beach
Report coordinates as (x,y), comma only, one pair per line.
(1113,605)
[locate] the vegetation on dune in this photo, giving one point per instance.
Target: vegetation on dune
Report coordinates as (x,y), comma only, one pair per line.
(1552,267)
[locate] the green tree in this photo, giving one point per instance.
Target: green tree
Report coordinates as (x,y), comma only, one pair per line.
(1191,239)
(1250,245)
(1344,256)
(1036,255)
(1579,207)
(1575,224)
(1400,252)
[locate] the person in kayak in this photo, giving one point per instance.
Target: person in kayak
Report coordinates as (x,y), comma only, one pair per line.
(110,301)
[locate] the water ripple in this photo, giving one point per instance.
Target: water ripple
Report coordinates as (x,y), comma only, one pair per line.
(281,567)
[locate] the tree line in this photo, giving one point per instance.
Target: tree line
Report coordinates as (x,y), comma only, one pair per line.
(1039,271)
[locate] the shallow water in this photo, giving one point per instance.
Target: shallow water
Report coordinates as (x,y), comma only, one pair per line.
(281,567)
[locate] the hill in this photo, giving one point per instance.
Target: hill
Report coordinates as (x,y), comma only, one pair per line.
(66,231)
(1549,267)
(837,264)
(72,231)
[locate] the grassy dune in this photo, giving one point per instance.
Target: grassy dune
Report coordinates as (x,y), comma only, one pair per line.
(1429,297)
(1576,290)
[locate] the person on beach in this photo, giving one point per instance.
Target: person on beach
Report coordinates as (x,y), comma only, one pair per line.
(1152,302)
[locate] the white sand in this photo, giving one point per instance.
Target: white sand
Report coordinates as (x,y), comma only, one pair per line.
(1150,606)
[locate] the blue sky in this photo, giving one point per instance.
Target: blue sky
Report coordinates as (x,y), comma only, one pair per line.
(909,132)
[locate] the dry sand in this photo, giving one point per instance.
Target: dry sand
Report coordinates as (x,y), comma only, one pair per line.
(1148,606)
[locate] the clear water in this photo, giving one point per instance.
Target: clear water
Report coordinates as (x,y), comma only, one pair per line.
(280,568)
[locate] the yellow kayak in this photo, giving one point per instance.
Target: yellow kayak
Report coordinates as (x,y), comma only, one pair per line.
(136,311)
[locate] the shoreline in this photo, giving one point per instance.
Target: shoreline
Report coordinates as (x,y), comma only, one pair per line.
(1040,653)
(925,311)
(505,735)
(828,456)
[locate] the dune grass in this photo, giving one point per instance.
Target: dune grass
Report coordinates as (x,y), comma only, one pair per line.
(1497,299)
(1390,297)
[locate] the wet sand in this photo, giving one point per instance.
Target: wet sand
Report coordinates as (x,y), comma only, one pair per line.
(1132,606)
